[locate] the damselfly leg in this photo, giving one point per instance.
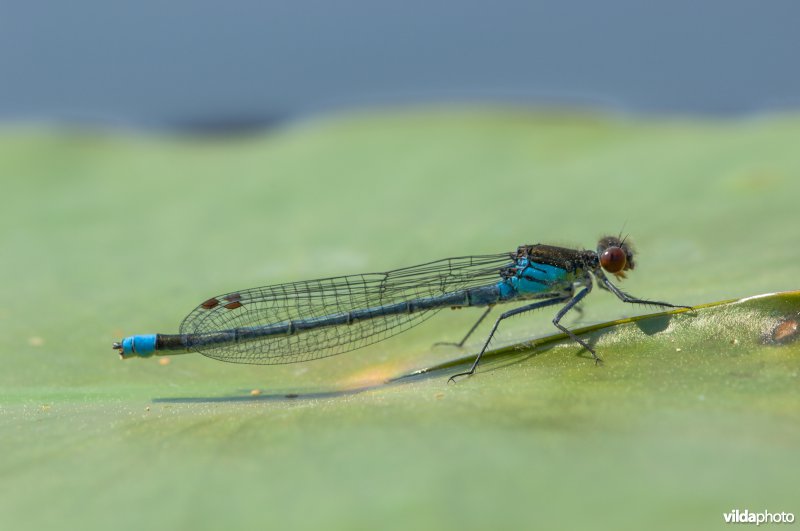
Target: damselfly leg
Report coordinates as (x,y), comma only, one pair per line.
(567,307)
(469,333)
(604,283)
(506,315)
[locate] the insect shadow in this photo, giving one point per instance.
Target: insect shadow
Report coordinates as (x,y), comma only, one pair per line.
(492,361)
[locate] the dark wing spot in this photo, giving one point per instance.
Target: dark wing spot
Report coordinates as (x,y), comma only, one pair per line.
(233,297)
(210,303)
(233,305)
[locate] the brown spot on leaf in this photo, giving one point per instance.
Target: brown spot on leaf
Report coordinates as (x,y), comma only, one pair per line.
(785,331)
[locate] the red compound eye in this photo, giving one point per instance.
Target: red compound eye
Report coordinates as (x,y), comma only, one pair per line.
(613,260)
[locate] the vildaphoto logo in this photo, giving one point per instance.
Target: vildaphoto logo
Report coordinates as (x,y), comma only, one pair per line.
(764,517)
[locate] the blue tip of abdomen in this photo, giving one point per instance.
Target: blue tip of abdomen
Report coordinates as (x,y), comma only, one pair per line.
(142,346)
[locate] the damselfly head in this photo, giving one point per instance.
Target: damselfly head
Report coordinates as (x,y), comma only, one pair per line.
(616,256)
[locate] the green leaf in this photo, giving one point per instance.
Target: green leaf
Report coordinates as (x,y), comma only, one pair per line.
(691,415)
(743,332)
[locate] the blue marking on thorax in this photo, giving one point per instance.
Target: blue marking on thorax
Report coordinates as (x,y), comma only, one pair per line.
(531,277)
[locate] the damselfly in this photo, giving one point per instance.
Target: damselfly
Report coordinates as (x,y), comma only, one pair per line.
(303,321)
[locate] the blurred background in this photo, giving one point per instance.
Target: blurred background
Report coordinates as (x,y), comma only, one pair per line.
(244,64)
(156,154)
